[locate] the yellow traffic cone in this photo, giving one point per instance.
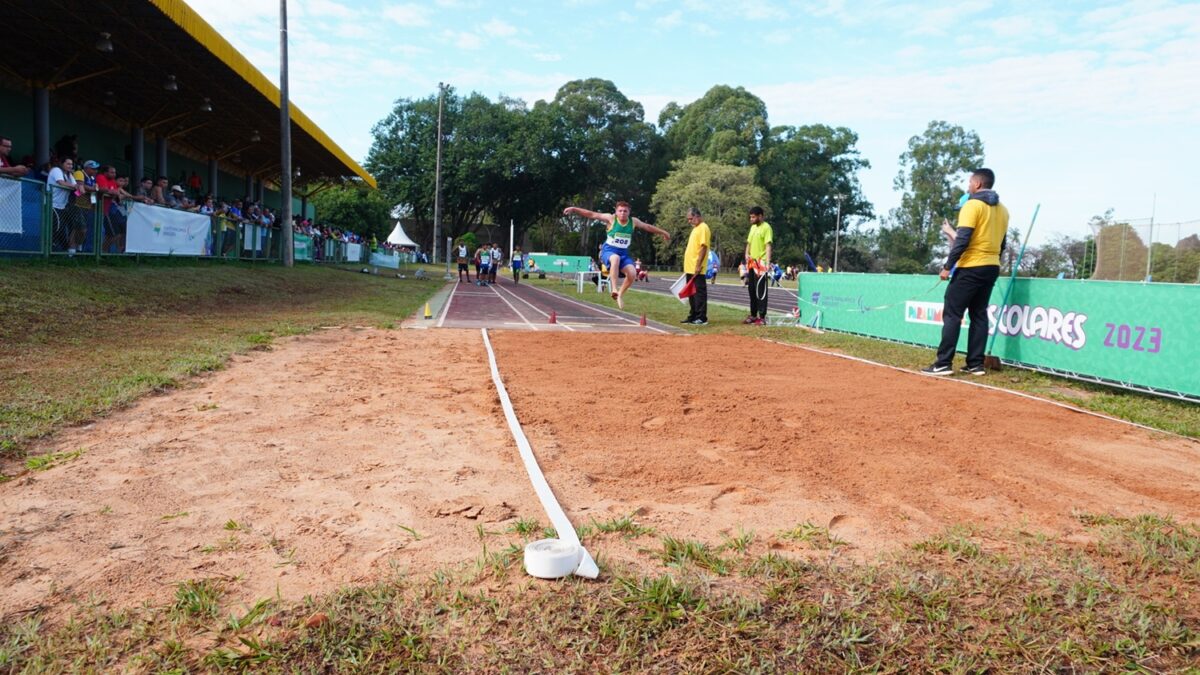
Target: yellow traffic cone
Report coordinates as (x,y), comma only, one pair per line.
(428,314)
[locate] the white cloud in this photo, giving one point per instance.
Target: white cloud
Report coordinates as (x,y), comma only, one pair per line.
(546,58)
(499,28)
(463,39)
(669,20)
(409,16)
(328,8)
(625,17)
(777,37)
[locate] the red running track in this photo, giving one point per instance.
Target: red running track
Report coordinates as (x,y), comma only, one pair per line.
(527,307)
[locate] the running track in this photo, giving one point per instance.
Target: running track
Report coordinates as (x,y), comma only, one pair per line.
(528,307)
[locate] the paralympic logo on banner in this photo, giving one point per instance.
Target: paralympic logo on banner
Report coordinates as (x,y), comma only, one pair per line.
(925,312)
(1046,323)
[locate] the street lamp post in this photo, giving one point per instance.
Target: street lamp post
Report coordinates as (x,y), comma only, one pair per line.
(837,232)
(285,142)
(437,180)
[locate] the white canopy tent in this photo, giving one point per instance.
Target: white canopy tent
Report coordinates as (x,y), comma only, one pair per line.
(399,238)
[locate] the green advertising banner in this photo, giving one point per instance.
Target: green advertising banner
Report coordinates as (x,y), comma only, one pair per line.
(1142,335)
(302,247)
(569,264)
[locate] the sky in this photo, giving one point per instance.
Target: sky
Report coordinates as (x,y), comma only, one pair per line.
(1081,106)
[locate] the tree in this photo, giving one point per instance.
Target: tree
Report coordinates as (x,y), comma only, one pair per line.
(726,125)
(355,207)
(931,171)
(805,169)
(723,194)
(609,152)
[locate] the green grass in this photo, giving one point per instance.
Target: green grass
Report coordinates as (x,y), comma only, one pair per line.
(79,339)
(1129,602)
(1171,415)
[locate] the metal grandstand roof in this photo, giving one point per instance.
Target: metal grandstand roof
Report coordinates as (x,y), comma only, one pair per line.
(51,43)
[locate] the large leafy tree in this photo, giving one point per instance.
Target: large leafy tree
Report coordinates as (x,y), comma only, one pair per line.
(932,174)
(354,207)
(604,150)
(806,169)
(726,125)
(723,194)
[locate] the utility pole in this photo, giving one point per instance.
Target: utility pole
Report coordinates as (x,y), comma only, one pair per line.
(837,233)
(437,180)
(1150,239)
(285,141)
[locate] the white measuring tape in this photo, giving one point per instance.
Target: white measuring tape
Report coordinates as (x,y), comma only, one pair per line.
(545,558)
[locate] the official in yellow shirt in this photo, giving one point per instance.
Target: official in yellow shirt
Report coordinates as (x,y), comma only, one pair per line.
(695,257)
(759,242)
(975,262)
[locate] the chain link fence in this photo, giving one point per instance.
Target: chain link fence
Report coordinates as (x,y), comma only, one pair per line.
(22,216)
(1143,250)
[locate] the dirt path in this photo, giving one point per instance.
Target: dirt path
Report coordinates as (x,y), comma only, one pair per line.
(298,469)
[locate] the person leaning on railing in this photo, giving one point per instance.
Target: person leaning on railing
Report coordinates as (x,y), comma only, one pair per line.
(109,187)
(70,222)
(7,168)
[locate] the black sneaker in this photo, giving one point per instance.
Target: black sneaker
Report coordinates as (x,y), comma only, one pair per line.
(973,370)
(687,320)
(699,322)
(935,369)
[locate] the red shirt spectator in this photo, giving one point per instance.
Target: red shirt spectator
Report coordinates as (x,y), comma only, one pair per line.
(107,182)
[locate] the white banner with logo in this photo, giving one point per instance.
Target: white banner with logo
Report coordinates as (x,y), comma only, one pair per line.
(155,229)
(10,207)
(353,252)
(385,260)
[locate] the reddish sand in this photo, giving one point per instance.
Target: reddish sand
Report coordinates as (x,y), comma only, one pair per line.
(325,448)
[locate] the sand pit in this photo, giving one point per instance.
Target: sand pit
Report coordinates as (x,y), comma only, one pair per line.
(308,466)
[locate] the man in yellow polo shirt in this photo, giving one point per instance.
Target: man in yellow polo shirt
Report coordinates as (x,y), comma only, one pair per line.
(975,260)
(695,259)
(758,264)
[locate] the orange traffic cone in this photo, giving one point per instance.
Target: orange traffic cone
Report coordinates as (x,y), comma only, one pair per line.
(553,316)
(643,321)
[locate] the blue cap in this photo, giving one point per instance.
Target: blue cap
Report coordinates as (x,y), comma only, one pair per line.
(91,164)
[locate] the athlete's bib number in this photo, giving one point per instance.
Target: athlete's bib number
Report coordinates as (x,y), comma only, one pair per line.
(619,240)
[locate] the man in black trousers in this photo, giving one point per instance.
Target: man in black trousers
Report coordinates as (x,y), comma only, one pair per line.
(975,262)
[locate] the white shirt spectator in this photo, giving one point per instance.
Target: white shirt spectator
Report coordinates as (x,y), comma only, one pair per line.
(61,195)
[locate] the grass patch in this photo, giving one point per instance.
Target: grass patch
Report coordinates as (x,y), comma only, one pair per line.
(814,535)
(80,339)
(622,525)
(1171,415)
(49,461)
(1041,606)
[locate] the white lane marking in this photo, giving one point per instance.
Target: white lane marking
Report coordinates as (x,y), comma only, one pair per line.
(446,309)
(532,306)
(562,524)
(598,309)
(514,309)
(1002,390)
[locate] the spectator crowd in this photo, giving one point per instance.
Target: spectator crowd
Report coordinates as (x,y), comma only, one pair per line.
(79,186)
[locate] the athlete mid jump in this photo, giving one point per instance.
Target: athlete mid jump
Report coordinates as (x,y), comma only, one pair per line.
(615,251)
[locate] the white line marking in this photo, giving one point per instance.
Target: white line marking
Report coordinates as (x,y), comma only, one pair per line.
(562,525)
(598,309)
(446,309)
(536,309)
(514,309)
(1002,390)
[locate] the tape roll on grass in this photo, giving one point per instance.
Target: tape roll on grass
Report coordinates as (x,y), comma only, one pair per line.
(552,558)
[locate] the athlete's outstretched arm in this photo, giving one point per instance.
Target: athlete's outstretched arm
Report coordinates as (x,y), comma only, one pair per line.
(652,229)
(576,211)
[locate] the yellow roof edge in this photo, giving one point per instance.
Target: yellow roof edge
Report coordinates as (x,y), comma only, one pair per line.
(183,16)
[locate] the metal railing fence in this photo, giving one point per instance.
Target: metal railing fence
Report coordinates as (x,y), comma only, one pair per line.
(41,220)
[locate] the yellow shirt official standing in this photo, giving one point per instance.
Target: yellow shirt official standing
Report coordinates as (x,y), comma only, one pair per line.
(989,223)
(698,246)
